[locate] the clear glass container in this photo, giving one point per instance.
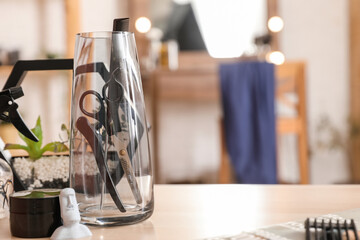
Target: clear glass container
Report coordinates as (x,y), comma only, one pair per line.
(110,168)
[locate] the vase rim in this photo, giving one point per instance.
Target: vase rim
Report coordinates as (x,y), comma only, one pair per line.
(102,34)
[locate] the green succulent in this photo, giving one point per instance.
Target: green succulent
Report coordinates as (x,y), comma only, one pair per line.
(35,149)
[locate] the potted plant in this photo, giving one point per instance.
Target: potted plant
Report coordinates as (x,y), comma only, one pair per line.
(37,170)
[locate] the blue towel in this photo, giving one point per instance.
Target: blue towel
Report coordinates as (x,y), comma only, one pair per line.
(247,90)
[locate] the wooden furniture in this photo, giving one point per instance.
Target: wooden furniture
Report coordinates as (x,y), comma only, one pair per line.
(290,81)
(204,211)
(197,80)
(354,67)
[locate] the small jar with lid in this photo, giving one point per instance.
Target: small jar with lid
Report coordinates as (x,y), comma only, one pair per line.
(34,213)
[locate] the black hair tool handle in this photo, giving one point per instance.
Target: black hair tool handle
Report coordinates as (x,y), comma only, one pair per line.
(121,24)
(94,141)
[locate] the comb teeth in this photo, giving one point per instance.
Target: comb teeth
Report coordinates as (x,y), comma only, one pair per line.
(330,229)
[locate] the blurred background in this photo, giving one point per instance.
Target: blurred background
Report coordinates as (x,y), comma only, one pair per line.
(181,44)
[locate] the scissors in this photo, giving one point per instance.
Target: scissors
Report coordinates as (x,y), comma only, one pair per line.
(120,131)
(94,141)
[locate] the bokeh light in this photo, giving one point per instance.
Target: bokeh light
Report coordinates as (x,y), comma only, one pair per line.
(275,24)
(143,24)
(275,57)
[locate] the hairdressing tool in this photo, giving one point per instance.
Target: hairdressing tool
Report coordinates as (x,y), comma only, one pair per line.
(100,68)
(9,112)
(94,140)
(330,229)
(121,24)
(113,103)
(121,132)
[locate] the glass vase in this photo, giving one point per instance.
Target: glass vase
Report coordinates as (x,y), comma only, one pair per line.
(110,168)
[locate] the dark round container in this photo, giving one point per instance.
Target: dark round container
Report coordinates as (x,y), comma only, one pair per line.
(35,213)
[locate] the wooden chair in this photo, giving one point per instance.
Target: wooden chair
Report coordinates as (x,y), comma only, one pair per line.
(290,79)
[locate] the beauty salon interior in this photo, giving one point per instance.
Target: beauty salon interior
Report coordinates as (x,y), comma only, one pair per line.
(236,91)
(207,119)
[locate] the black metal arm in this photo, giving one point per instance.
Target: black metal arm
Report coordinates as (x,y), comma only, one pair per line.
(22,67)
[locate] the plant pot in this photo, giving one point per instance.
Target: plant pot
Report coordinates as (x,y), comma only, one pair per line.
(46,172)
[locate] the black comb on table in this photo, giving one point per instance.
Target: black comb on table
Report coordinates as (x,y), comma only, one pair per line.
(330,229)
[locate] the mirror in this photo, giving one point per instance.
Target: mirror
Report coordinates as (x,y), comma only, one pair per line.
(201,25)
